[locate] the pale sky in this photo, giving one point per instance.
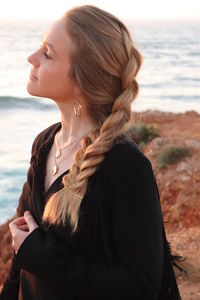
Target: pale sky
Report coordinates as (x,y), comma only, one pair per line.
(126,9)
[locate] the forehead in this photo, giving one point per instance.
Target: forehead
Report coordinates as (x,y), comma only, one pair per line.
(56,34)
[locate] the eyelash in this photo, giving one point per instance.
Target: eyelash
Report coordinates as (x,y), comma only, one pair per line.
(45,54)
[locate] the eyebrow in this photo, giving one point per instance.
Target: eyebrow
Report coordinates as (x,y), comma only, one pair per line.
(49,44)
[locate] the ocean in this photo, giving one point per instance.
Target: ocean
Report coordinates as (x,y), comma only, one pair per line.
(169,81)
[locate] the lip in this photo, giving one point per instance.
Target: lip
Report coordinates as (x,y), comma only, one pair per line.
(32,76)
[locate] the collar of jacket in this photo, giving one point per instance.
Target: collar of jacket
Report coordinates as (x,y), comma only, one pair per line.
(42,143)
(44,140)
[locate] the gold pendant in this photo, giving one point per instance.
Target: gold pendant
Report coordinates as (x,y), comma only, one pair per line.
(57,153)
(54,170)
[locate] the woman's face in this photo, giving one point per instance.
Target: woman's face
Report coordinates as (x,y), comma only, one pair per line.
(51,65)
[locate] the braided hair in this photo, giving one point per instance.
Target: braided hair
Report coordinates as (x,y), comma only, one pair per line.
(104,64)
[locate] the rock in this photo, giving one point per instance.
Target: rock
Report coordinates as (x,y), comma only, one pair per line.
(159,142)
(192,144)
(184,178)
(182,166)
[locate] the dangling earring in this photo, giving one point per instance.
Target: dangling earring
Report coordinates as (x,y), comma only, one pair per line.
(77,108)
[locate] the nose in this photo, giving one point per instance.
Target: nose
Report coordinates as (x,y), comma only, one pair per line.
(33,59)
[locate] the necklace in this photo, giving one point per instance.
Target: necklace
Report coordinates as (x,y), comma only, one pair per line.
(58,153)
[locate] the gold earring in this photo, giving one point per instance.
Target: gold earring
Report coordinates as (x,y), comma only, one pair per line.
(77,108)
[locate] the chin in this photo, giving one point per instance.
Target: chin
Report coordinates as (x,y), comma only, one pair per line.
(34,91)
(31,90)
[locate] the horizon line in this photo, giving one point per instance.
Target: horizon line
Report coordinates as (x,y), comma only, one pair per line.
(125,19)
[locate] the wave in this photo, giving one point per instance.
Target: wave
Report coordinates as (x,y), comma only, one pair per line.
(10,102)
(186,98)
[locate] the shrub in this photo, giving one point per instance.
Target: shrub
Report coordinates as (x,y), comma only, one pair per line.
(142,133)
(172,154)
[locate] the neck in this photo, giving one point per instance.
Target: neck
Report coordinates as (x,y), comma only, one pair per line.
(73,127)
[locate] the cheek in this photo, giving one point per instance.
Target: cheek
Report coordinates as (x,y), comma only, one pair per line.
(55,78)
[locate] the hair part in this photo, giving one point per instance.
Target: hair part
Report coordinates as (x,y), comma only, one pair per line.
(104,64)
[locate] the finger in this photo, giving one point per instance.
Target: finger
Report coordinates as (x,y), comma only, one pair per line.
(30,220)
(24,227)
(17,222)
(13,226)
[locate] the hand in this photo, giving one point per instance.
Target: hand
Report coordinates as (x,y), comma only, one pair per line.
(20,228)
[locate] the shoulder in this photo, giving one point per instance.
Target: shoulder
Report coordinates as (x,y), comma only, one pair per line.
(125,152)
(43,136)
(127,149)
(125,161)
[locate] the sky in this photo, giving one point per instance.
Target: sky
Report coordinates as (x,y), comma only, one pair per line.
(126,9)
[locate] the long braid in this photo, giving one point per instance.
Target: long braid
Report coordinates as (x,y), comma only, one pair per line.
(116,62)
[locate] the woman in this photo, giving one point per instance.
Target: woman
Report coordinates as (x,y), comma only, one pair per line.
(94,228)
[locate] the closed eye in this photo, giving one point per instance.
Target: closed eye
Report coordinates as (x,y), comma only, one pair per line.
(46,54)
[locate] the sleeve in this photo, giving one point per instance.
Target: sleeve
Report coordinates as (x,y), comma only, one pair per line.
(27,186)
(136,268)
(10,287)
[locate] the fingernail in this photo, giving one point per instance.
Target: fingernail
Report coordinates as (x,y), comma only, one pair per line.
(27,212)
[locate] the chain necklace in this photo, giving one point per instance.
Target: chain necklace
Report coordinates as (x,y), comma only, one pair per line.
(58,153)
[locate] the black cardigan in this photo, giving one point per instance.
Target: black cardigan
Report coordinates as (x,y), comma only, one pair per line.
(120,250)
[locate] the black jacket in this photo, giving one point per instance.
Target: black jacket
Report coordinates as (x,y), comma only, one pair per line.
(120,250)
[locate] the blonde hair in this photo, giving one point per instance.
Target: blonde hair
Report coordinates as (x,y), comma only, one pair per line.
(104,65)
